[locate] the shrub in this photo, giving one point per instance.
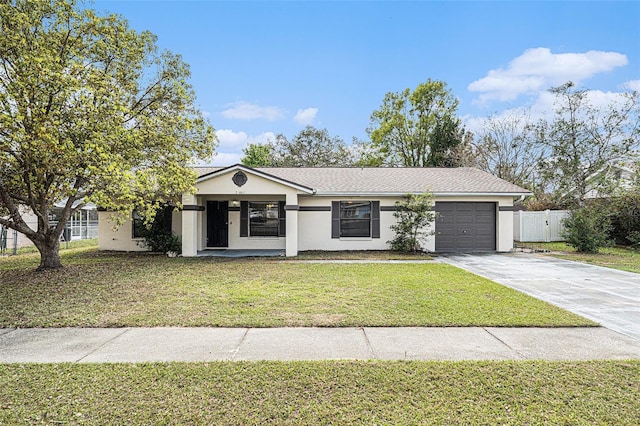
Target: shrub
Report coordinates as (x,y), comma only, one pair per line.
(162,241)
(625,218)
(158,237)
(413,215)
(587,229)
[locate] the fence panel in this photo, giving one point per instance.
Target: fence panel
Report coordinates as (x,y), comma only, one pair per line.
(8,240)
(542,226)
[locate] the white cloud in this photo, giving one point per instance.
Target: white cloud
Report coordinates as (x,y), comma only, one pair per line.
(226,159)
(229,138)
(633,85)
(306,116)
(235,141)
(538,69)
(247,111)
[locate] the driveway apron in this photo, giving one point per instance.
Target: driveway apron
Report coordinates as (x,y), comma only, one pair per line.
(607,296)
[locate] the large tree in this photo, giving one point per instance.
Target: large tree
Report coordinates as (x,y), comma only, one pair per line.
(582,139)
(311,147)
(90,110)
(416,128)
(504,147)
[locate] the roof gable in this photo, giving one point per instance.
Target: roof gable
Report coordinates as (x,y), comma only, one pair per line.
(216,172)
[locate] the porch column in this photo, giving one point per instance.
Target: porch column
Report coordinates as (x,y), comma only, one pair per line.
(291,208)
(189,226)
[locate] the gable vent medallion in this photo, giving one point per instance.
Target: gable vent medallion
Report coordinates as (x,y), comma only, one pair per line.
(239,178)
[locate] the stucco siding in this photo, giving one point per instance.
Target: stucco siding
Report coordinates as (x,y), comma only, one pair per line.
(119,239)
(315,226)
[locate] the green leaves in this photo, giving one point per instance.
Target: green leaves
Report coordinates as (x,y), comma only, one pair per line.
(416,129)
(413,215)
(91,110)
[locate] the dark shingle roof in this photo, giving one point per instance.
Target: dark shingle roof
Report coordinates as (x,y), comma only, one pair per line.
(400,180)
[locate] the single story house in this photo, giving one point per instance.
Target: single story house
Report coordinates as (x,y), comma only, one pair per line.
(297,209)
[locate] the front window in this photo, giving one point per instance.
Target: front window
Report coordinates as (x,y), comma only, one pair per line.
(263,219)
(355,218)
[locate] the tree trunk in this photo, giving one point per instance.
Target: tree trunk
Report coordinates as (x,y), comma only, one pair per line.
(49,250)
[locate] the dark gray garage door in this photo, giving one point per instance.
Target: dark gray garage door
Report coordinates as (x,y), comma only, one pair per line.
(465,227)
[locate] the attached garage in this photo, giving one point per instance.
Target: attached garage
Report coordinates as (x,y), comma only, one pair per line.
(465,226)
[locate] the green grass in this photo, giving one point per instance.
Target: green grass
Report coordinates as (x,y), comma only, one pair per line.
(622,258)
(348,392)
(98,289)
(71,245)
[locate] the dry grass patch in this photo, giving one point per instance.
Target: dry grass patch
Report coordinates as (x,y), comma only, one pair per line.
(113,290)
(356,392)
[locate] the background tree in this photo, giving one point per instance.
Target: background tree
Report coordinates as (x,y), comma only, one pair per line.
(310,148)
(505,147)
(90,110)
(413,216)
(257,155)
(582,139)
(416,128)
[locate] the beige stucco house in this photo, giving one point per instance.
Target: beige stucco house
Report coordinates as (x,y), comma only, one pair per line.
(297,209)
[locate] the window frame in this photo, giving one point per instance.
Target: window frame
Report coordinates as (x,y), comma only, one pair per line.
(344,206)
(274,206)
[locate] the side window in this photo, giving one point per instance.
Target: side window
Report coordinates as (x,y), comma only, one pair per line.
(137,225)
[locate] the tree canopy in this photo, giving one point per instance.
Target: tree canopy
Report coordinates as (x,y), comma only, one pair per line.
(90,111)
(416,128)
(310,147)
(257,155)
(582,140)
(504,147)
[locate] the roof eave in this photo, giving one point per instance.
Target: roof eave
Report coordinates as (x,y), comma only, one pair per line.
(436,194)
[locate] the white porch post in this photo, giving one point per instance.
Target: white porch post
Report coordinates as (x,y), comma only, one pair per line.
(292,224)
(189,226)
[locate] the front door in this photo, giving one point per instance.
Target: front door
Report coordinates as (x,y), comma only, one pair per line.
(217,223)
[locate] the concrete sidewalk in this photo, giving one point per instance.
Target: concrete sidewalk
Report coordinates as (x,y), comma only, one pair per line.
(235,344)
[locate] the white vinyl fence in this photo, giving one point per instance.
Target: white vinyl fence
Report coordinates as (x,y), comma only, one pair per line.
(543,226)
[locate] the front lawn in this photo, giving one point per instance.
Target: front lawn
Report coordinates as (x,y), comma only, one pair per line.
(99,289)
(345,392)
(623,258)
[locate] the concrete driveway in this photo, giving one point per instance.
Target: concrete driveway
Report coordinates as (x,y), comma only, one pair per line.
(607,296)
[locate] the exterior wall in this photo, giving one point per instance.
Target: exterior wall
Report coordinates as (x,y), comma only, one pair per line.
(236,242)
(223,185)
(120,239)
(315,227)
(257,188)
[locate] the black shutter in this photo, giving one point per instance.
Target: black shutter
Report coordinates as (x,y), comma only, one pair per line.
(244,218)
(375,219)
(335,219)
(282,216)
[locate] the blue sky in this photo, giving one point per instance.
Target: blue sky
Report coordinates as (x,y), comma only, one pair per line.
(263,68)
